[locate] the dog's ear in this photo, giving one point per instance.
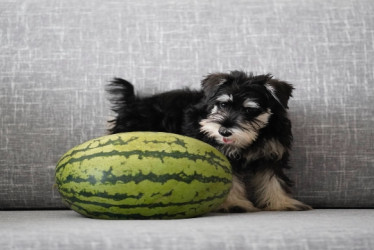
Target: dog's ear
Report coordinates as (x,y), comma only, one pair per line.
(281,91)
(211,83)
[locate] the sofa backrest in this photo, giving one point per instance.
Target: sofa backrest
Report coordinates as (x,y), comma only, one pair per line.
(57,56)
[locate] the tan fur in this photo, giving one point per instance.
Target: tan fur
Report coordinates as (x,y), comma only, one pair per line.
(237,198)
(272,149)
(270,194)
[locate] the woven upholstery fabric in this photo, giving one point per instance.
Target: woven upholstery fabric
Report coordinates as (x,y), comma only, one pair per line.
(317,229)
(56,57)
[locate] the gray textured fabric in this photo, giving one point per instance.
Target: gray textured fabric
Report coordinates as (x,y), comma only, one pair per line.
(318,229)
(56,56)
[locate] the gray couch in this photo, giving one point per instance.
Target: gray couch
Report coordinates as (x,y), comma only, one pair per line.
(57,56)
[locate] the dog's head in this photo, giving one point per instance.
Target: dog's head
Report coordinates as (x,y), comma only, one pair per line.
(240,105)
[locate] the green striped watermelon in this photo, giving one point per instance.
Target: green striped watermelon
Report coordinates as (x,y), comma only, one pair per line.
(143,175)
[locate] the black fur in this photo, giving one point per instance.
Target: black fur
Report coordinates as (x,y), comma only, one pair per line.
(249,111)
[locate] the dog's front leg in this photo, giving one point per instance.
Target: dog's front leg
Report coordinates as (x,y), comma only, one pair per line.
(270,193)
(237,199)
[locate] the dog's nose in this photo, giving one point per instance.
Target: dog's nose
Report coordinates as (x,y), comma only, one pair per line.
(224,132)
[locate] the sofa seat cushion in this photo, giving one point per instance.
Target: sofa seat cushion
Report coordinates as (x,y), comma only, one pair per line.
(315,229)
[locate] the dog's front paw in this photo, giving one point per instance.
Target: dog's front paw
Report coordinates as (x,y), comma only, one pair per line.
(299,207)
(237,200)
(288,204)
(243,206)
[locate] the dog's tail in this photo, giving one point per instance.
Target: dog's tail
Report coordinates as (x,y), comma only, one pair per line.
(122,97)
(121,93)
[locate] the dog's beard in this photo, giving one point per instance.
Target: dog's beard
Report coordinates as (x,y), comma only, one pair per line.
(244,132)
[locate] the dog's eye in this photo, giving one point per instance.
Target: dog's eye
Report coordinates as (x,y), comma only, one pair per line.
(251,110)
(223,105)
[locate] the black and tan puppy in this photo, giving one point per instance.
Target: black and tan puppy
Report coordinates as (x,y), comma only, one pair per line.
(242,115)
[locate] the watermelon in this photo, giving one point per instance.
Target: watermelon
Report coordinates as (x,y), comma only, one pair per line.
(143,175)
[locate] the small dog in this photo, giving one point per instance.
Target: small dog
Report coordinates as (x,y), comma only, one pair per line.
(242,115)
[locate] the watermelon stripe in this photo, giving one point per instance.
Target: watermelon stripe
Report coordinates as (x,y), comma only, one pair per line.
(75,200)
(176,142)
(89,146)
(109,215)
(114,197)
(139,177)
(210,157)
(118,141)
